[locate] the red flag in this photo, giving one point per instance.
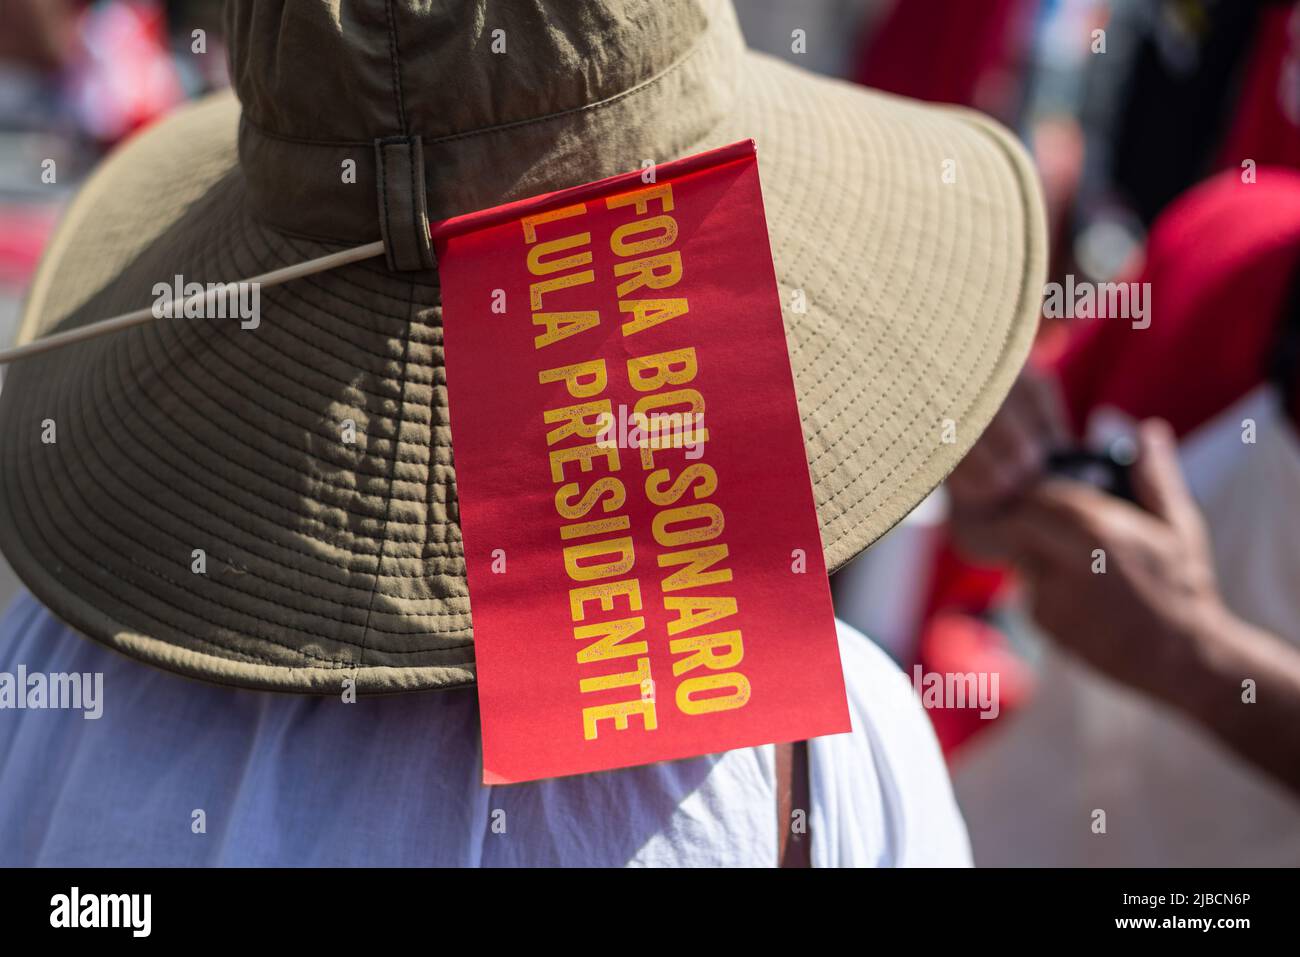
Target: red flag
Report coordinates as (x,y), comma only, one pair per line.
(644,562)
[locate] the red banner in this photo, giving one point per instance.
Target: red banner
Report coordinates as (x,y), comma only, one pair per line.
(645,567)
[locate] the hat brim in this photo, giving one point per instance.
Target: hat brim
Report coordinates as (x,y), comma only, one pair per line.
(198,510)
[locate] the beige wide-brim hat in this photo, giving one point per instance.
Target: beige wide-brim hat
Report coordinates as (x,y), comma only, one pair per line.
(908,239)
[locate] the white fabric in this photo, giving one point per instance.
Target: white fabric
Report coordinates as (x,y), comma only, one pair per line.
(296,780)
(1173,795)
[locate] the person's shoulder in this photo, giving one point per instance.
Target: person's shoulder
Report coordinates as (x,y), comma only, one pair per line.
(880,689)
(922,825)
(870,662)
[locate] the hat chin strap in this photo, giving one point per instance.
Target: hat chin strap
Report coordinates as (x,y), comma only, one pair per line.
(148,314)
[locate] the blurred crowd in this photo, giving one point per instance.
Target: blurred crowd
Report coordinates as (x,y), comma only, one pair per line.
(1142,618)
(1167,135)
(77,77)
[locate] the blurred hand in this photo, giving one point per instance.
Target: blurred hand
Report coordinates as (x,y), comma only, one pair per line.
(1153,619)
(1154,613)
(1006,460)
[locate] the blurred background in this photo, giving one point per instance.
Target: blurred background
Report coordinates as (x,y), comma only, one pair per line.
(1143,117)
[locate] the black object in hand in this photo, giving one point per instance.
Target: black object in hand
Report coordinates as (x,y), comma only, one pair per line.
(1108,469)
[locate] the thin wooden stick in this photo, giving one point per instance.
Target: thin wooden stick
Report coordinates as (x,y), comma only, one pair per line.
(141,316)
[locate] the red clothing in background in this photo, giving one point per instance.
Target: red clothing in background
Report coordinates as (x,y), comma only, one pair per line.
(1266,127)
(949,51)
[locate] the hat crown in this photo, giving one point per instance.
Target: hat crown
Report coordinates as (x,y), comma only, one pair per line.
(507,99)
(361,69)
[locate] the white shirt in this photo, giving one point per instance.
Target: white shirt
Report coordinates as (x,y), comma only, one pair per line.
(277,779)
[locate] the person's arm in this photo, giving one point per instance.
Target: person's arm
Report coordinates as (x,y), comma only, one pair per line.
(1131,590)
(1266,732)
